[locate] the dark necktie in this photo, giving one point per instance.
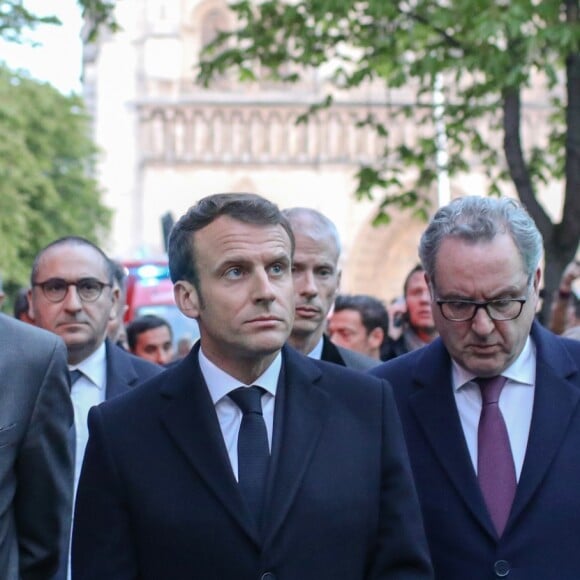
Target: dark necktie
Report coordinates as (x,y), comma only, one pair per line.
(495,463)
(253,450)
(75,375)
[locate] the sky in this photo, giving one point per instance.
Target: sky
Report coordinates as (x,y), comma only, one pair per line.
(58,58)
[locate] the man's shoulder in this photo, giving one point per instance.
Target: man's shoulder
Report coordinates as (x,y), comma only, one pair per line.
(324,373)
(22,334)
(345,357)
(406,364)
(356,360)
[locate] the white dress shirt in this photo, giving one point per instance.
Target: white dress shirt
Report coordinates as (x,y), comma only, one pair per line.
(228,413)
(316,352)
(88,391)
(516,403)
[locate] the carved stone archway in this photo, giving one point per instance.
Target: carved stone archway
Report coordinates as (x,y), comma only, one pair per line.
(381,256)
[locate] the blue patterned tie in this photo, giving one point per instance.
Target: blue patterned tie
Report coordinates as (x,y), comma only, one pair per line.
(253,449)
(496,472)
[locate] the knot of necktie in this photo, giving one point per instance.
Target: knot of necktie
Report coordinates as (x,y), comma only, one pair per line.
(248,399)
(491,388)
(75,375)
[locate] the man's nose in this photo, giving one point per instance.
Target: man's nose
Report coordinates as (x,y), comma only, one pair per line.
(72,301)
(263,288)
(308,284)
(481,323)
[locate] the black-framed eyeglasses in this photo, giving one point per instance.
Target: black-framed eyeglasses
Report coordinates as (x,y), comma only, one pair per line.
(464,310)
(88,289)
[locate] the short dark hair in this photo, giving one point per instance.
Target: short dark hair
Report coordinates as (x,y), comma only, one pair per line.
(245,207)
(417,268)
(71,241)
(142,324)
(372,311)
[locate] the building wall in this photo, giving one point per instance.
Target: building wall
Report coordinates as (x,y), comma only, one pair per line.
(166,142)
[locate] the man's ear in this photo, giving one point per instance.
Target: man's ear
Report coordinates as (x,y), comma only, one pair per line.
(116,303)
(338,280)
(537,278)
(30,306)
(187,298)
(376,337)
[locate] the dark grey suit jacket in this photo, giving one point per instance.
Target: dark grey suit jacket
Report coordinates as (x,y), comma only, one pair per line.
(36,468)
(158,498)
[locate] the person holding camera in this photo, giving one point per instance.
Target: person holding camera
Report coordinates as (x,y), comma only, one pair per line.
(417,321)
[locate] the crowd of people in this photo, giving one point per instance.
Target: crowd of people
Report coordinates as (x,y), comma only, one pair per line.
(307,434)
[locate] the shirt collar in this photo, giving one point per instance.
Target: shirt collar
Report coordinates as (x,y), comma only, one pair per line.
(221,383)
(522,370)
(94,367)
(316,352)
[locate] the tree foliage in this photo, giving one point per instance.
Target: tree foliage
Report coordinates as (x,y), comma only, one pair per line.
(46,163)
(46,155)
(15,18)
(485,55)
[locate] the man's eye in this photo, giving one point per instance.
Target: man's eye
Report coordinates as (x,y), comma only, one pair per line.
(458,306)
(89,284)
(233,273)
(277,269)
(502,304)
(55,285)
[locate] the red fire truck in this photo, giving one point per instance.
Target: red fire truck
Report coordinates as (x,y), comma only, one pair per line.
(150,291)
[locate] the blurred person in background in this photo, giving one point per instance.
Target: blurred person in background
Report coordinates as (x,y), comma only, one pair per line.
(418,325)
(116,331)
(184,345)
(360,322)
(21,306)
(150,337)
(565,312)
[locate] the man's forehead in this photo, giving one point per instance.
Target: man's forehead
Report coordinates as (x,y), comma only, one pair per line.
(73,257)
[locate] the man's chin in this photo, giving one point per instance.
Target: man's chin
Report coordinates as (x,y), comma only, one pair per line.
(304,327)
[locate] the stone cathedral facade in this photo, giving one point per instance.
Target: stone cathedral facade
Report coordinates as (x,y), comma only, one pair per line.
(166,142)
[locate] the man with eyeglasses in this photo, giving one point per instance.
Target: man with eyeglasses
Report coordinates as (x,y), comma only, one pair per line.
(491,407)
(72,295)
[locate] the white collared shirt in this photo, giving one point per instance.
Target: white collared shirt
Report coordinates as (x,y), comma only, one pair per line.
(316,352)
(516,403)
(228,413)
(88,391)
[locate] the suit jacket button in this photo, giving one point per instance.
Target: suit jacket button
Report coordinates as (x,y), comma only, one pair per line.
(501,568)
(268,576)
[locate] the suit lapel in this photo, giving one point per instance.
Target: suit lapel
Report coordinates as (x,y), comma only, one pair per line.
(120,376)
(434,407)
(189,416)
(330,352)
(555,403)
(299,420)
